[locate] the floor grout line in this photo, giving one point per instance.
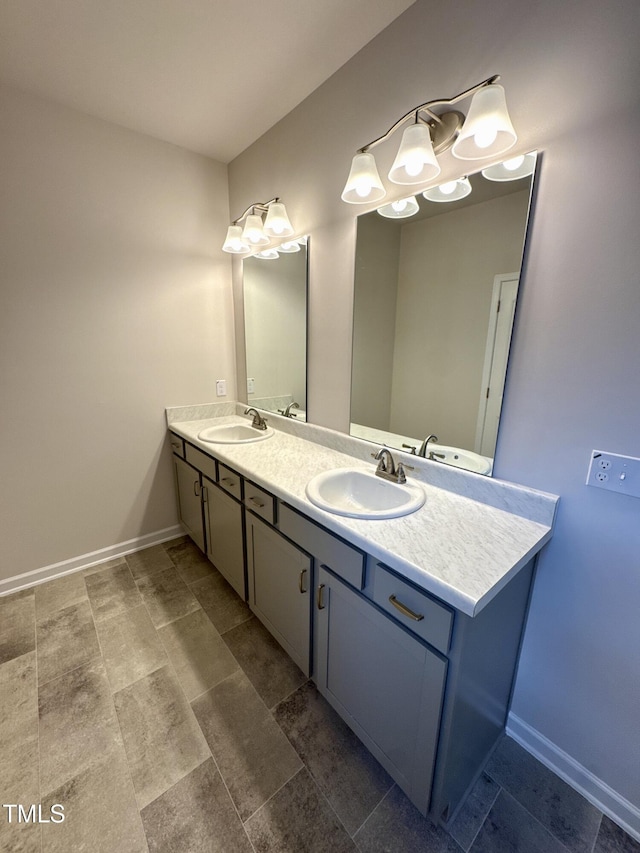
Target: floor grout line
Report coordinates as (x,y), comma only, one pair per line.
(483,821)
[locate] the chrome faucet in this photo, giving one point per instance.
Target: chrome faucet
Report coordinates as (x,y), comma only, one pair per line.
(287,412)
(258,421)
(429,454)
(387,467)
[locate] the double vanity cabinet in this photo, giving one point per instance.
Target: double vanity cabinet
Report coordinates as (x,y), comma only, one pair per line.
(425,686)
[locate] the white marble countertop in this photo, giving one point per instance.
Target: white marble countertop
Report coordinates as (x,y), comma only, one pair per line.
(460,549)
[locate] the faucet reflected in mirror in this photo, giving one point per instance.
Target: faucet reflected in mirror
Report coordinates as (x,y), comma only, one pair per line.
(287,412)
(275,327)
(434,301)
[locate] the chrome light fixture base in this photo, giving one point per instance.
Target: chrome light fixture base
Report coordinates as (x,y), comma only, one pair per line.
(445,131)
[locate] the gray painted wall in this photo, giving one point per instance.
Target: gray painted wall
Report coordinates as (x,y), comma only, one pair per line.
(571,74)
(115,302)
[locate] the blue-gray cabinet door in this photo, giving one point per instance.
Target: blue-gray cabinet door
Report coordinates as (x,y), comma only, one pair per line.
(280,589)
(223,517)
(189,489)
(384,683)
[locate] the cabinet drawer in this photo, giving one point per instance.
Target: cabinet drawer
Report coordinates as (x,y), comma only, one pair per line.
(177,444)
(414,609)
(341,558)
(201,461)
(259,501)
(230,481)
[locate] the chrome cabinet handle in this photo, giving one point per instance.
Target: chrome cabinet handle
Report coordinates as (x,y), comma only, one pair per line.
(205,494)
(320,597)
(228,481)
(175,445)
(301,581)
(257,503)
(417,617)
(196,486)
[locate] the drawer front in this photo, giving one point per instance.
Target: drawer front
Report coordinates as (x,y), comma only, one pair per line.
(260,502)
(230,481)
(177,444)
(341,558)
(417,611)
(201,461)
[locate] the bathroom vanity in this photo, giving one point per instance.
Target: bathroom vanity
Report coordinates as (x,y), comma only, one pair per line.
(410,626)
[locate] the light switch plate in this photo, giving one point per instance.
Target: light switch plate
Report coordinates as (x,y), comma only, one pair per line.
(614,472)
(221,387)
(251,386)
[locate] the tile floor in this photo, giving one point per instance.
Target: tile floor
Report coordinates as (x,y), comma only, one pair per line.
(144,697)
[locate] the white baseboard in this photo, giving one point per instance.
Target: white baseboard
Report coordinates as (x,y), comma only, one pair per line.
(619,809)
(84,561)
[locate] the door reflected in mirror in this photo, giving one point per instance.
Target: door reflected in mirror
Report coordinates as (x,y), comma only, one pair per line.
(434,302)
(275,318)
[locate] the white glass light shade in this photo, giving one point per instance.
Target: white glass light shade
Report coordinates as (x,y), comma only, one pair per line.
(513,169)
(400,209)
(449,191)
(253,233)
(487,130)
(267,254)
(415,161)
(234,242)
(289,247)
(276,223)
(363,184)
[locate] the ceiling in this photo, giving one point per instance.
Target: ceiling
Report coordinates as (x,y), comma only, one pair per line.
(208,75)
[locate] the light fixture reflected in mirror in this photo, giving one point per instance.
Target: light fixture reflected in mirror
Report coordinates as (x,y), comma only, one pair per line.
(256,233)
(513,169)
(267,255)
(449,191)
(400,209)
(289,246)
(485,132)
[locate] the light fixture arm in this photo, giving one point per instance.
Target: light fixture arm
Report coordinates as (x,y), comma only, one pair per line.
(427,108)
(262,206)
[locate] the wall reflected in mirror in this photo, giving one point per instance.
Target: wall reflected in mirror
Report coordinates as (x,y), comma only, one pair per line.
(434,302)
(275,317)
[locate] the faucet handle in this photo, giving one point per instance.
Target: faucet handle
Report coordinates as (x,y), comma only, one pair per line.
(411,447)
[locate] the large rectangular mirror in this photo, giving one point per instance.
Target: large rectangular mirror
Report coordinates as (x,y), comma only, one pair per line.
(434,303)
(275,318)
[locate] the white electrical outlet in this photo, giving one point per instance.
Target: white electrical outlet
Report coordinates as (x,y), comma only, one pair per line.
(614,472)
(221,387)
(251,386)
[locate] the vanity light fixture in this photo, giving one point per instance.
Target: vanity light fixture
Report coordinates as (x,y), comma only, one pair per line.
(255,232)
(513,169)
(270,254)
(400,209)
(449,191)
(485,132)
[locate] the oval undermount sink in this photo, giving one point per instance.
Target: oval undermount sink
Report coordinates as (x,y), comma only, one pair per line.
(234,434)
(356,493)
